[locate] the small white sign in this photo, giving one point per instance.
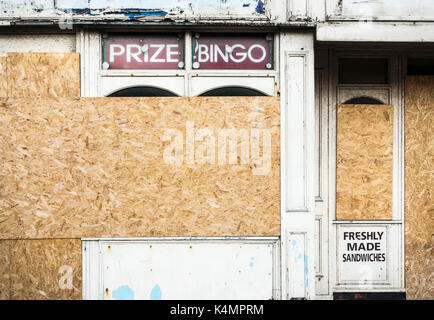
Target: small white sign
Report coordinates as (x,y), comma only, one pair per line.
(362,254)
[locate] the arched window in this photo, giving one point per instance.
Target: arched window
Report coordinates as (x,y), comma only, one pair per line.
(232,92)
(363,100)
(142,92)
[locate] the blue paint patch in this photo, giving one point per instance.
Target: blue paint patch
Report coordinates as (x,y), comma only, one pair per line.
(156,293)
(260,7)
(226,283)
(294,242)
(251,264)
(306,272)
(146,14)
(299,256)
(123,293)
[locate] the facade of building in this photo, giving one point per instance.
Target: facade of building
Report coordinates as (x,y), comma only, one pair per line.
(327,192)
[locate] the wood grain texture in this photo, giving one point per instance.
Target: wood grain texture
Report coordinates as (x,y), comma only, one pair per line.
(364,162)
(36,269)
(3,78)
(94,168)
(419,186)
(43,75)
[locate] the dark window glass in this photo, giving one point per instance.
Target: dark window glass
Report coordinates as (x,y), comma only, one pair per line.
(420,66)
(363,71)
(363,100)
(232,92)
(142,92)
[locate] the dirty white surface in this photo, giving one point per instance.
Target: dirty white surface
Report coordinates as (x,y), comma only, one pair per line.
(184,269)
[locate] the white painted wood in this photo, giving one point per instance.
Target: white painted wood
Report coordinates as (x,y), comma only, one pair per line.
(382,94)
(389,9)
(91,271)
(391,94)
(375,31)
(333,8)
(110,85)
(180,268)
(37,43)
(89,47)
(297,275)
(321,159)
(202,84)
(297,157)
(297,8)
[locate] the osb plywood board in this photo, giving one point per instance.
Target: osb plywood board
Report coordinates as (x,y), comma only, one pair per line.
(5,273)
(364,162)
(419,186)
(3,78)
(44,75)
(45,269)
(96,167)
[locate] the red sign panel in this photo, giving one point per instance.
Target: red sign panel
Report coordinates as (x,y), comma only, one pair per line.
(143,52)
(232,52)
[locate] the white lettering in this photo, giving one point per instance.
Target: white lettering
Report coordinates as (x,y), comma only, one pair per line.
(243,55)
(134,55)
(170,53)
(222,55)
(156,54)
(202,51)
(113,53)
(264,53)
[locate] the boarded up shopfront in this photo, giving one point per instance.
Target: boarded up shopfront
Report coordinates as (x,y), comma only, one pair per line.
(419,179)
(122,167)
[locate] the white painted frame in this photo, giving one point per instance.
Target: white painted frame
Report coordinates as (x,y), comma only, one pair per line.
(297,160)
(92,273)
(396,99)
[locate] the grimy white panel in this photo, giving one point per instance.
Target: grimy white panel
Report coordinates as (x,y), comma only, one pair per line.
(403,9)
(295,170)
(186,270)
(298,265)
(298,163)
(362,254)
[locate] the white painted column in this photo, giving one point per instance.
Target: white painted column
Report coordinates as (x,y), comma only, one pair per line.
(89,47)
(297,164)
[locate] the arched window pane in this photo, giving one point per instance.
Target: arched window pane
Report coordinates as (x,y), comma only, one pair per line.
(363,100)
(142,92)
(232,92)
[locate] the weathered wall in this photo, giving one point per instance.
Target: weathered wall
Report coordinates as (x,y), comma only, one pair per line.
(364,162)
(37,43)
(419,184)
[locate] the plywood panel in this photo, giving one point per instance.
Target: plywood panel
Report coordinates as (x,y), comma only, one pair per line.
(95,167)
(3,78)
(32,75)
(5,273)
(419,185)
(45,269)
(364,162)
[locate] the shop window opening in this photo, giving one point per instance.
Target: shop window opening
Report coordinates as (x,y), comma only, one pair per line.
(142,92)
(363,100)
(232,92)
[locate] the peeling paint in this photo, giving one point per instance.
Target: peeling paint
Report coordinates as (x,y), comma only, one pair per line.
(260,7)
